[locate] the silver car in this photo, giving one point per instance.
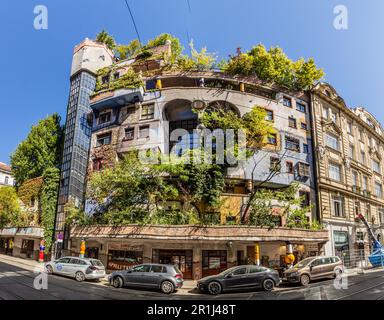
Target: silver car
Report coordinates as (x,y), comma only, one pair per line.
(79,268)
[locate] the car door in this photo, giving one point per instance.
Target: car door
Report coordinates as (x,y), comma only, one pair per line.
(317,268)
(236,279)
(60,266)
(135,276)
(155,275)
(255,276)
(328,268)
(72,267)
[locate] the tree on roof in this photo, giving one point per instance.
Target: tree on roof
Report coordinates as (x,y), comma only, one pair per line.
(107,39)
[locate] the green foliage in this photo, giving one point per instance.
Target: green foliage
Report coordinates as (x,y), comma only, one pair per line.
(254,124)
(128,51)
(9,207)
(200,61)
(289,204)
(106,38)
(129,80)
(161,39)
(273,66)
(49,193)
(39,151)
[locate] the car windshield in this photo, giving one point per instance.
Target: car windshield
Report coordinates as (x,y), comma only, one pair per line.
(96,263)
(303,263)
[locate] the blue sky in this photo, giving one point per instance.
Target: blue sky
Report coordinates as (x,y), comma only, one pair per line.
(35,64)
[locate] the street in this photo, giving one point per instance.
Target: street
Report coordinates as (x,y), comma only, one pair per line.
(16,283)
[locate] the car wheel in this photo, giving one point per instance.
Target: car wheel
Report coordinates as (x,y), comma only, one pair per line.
(304,280)
(49,269)
(117,282)
(79,276)
(214,288)
(268,284)
(167,287)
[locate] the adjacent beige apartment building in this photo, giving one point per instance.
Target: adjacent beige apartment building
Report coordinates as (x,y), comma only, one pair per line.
(349,145)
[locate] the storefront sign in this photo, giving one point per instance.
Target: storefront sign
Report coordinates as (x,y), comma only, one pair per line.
(125,246)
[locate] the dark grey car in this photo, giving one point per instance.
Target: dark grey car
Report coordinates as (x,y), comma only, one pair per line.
(240,278)
(167,278)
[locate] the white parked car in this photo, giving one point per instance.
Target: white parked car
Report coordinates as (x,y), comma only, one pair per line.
(79,268)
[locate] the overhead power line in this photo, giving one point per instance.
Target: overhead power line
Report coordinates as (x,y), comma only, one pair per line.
(133,21)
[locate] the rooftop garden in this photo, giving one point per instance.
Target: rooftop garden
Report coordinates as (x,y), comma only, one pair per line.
(271,66)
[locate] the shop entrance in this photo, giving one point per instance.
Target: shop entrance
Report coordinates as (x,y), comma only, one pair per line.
(181,258)
(214,262)
(27,248)
(6,246)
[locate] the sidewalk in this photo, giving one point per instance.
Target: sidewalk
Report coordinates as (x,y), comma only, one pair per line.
(26,264)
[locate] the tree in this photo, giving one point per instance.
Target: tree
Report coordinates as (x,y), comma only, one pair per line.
(128,51)
(49,193)
(40,150)
(161,39)
(107,39)
(273,66)
(9,206)
(200,61)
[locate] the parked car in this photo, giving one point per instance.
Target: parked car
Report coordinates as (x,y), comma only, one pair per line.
(165,277)
(79,268)
(239,278)
(314,268)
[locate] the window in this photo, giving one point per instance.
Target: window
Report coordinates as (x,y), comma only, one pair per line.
(376,166)
(303,169)
(147,111)
(104,118)
(292,144)
(333,116)
(381,215)
(272,139)
(378,190)
(158,269)
(74,261)
(97,164)
(338,206)
(256,269)
(325,113)
(304,126)
(292,122)
(305,148)
(349,127)
(300,106)
(105,79)
(239,271)
(116,75)
(269,116)
(275,165)
(103,139)
(289,166)
(6,180)
(370,141)
(144,132)
(305,199)
(359,236)
(354,178)
(362,157)
(332,141)
(129,133)
(361,135)
(351,152)
(334,172)
(141,268)
(287,102)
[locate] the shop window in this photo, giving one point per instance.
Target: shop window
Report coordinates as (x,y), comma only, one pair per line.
(121,260)
(214,261)
(27,248)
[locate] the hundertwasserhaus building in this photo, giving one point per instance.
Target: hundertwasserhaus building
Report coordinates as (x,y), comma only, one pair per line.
(331,151)
(123,119)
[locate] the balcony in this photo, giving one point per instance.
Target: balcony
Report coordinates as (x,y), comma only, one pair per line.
(196,232)
(116,98)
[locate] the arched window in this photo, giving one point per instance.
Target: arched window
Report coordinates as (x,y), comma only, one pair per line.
(6,180)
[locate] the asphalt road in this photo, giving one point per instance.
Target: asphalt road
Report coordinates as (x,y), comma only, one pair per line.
(17,284)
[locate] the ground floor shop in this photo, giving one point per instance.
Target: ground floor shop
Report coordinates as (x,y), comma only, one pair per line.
(350,241)
(21,242)
(196,258)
